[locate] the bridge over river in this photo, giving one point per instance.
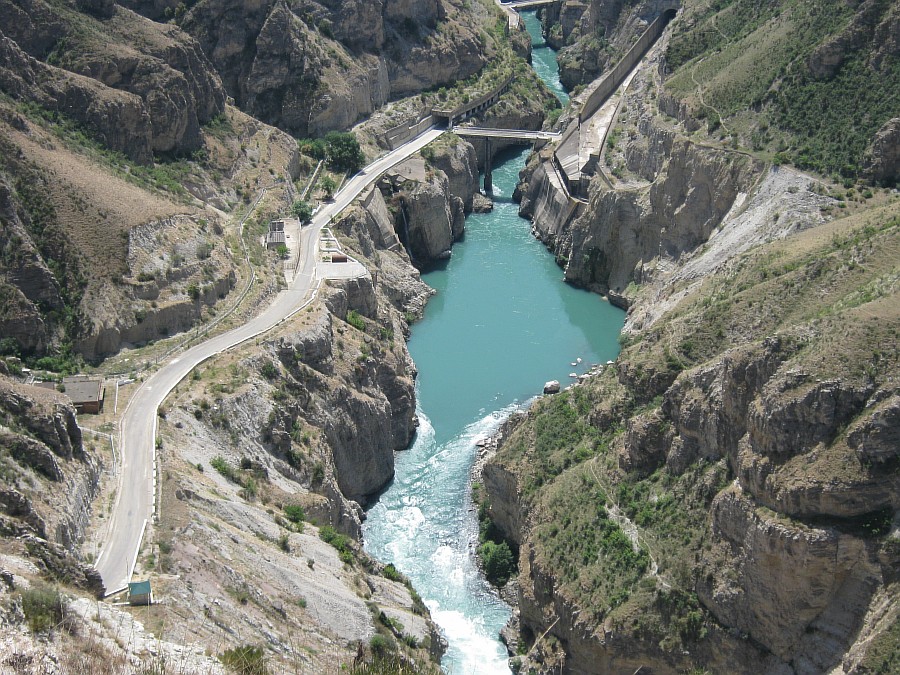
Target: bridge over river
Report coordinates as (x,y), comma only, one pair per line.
(512,7)
(135,503)
(536,138)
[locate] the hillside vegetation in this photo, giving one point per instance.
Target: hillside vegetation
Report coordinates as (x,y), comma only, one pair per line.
(807,83)
(723,498)
(765,390)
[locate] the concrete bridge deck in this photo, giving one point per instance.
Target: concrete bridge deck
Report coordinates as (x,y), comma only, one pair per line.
(507,134)
(528,4)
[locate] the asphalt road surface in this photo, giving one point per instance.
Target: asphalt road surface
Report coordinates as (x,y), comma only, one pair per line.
(134,505)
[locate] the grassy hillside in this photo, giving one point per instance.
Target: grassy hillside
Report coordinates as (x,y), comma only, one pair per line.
(621,512)
(808,83)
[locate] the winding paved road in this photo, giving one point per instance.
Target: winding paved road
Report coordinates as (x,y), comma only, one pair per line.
(136,491)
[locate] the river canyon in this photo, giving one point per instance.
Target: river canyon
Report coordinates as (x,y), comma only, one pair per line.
(501,324)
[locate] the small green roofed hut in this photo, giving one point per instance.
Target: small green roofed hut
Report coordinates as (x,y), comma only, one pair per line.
(139,593)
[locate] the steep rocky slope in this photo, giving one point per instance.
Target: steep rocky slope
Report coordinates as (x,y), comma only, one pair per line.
(99,251)
(111,235)
(303,426)
(315,67)
(725,497)
(165,85)
(50,479)
(734,474)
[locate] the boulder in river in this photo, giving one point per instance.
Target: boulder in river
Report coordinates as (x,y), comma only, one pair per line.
(551,387)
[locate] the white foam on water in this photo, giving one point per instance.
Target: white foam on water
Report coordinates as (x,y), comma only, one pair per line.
(439,554)
(475,652)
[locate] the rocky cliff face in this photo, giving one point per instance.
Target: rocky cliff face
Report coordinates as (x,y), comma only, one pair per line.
(119,120)
(172,85)
(50,481)
(323,66)
(749,418)
(435,218)
(308,419)
(431,197)
(592,36)
(682,193)
(726,497)
(882,160)
(97,255)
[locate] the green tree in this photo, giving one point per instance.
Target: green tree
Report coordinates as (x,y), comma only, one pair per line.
(498,562)
(328,186)
(302,210)
(344,153)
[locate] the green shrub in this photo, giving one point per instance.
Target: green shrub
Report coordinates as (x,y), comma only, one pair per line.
(381,645)
(341,542)
(269,370)
(302,211)
(44,608)
(318,473)
(223,467)
(390,572)
(343,151)
(295,513)
(245,660)
(498,561)
(355,320)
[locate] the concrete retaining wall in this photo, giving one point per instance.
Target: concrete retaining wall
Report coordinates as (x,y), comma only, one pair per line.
(398,135)
(476,105)
(614,78)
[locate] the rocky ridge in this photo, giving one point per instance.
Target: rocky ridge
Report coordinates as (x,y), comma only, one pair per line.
(309,419)
(51,477)
(172,86)
(711,505)
(322,66)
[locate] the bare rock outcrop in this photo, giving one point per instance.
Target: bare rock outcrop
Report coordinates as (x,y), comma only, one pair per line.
(882,160)
(176,86)
(621,230)
(325,67)
(588,34)
(458,161)
(435,218)
(796,589)
(117,119)
(52,478)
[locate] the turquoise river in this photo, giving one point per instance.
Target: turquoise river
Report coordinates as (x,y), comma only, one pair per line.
(501,324)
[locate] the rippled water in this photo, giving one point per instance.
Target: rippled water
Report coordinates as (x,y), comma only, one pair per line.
(501,324)
(543,58)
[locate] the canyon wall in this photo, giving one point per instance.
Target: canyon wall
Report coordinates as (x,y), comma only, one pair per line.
(724,496)
(51,476)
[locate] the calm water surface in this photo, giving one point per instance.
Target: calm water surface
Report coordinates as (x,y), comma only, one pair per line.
(502,323)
